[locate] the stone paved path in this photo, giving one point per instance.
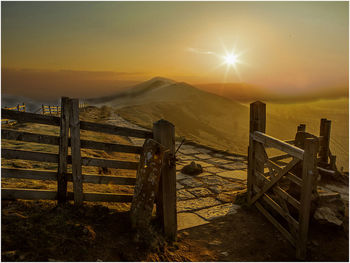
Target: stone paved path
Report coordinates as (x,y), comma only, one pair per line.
(206,196)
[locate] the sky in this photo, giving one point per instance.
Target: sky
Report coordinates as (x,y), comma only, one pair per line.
(284,47)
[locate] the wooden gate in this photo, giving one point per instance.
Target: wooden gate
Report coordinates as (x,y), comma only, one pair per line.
(268,181)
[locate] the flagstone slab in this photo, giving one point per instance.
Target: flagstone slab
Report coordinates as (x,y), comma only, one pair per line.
(188,151)
(220,161)
(179,186)
(234,166)
(203,156)
(213,169)
(188,220)
(214,180)
(218,211)
(182,176)
(200,192)
(226,187)
(235,158)
(186,157)
(228,197)
(191,182)
(235,174)
(219,155)
(204,174)
(196,204)
(184,195)
(203,150)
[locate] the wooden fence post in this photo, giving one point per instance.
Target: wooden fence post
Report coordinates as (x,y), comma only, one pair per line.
(309,175)
(18,109)
(301,128)
(43,109)
(164,133)
(50,109)
(74,124)
(257,123)
(63,152)
(24,107)
(325,132)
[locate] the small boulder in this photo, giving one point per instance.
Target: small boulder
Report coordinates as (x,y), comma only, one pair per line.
(192,169)
(330,211)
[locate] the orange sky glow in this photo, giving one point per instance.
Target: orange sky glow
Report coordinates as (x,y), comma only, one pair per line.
(284,47)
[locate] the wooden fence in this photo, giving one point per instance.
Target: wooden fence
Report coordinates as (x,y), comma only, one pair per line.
(163,132)
(19,107)
(56,110)
(272,179)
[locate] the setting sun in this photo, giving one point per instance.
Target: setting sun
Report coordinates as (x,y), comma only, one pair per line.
(230,59)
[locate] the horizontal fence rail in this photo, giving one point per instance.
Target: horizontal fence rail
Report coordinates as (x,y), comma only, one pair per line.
(115,130)
(52,176)
(278,144)
(30,194)
(53,158)
(54,140)
(30,117)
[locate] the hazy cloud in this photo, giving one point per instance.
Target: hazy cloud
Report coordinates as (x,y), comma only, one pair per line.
(200,51)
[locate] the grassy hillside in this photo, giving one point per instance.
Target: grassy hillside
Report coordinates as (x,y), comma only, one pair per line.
(222,123)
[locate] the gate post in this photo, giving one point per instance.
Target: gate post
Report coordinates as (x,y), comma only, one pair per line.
(301,128)
(309,176)
(257,123)
(63,152)
(164,133)
(325,132)
(74,124)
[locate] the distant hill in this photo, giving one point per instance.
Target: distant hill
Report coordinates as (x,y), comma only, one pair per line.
(223,123)
(245,92)
(197,115)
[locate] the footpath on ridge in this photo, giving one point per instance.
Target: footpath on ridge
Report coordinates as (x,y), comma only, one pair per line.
(209,195)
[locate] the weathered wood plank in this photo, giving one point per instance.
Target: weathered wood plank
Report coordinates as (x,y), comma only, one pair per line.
(28,174)
(63,151)
(27,194)
(28,155)
(30,117)
(291,141)
(279,227)
(309,177)
(116,130)
(30,194)
(257,122)
(52,176)
(325,132)
(86,161)
(54,140)
(279,157)
(74,125)
(164,133)
(289,175)
(279,210)
(53,158)
(275,179)
(278,144)
(112,147)
(29,137)
(283,194)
